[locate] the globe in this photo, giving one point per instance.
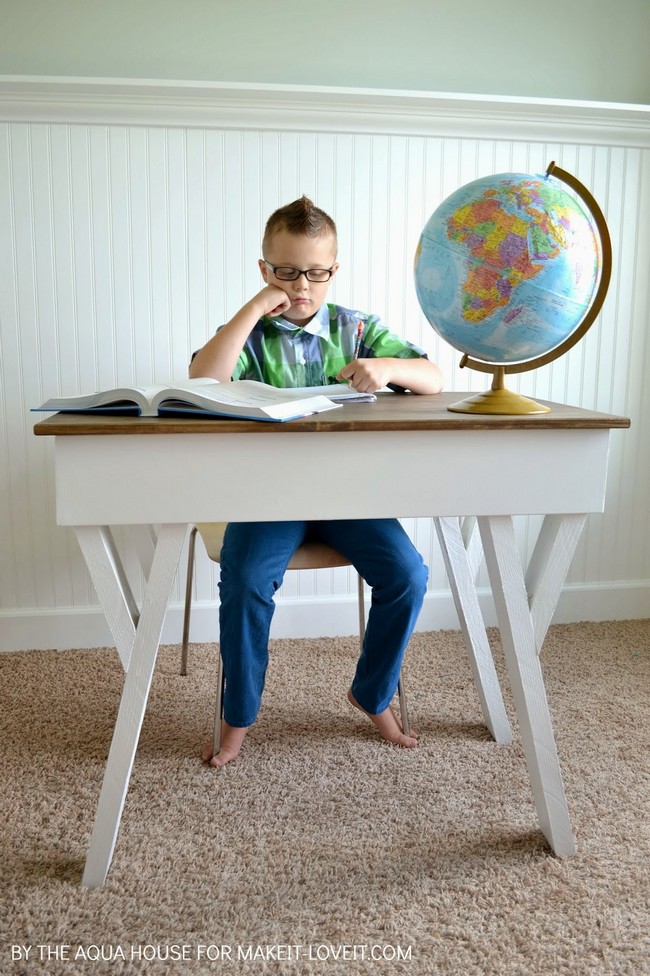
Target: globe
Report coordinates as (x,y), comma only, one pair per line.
(511,270)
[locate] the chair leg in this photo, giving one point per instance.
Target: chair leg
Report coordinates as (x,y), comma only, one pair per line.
(188,600)
(218,712)
(362,609)
(403,708)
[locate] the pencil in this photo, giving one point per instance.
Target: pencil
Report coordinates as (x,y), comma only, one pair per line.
(359,339)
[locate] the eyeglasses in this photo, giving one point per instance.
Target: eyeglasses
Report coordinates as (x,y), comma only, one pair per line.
(292,274)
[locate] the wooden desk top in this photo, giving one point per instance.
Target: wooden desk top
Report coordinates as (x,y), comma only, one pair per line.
(390,412)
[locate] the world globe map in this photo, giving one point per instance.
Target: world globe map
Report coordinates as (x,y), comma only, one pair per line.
(507,267)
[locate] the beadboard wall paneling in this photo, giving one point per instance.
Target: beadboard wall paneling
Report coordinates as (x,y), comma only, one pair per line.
(125,242)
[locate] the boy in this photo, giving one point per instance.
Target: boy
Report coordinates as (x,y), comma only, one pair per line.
(288,336)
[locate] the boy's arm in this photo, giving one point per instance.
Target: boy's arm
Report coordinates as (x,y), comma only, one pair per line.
(219,355)
(370,375)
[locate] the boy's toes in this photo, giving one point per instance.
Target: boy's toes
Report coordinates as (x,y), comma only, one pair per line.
(388,725)
(232,739)
(406,741)
(222,757)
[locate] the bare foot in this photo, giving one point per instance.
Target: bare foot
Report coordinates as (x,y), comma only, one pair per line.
(388,725)
(232,740)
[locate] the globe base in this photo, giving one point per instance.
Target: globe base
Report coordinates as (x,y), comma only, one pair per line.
(499,402)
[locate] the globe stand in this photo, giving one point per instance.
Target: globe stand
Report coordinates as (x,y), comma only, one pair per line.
(498,399)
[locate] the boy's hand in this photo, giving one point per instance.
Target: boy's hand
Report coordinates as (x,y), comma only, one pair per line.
(367,375)
(273,301)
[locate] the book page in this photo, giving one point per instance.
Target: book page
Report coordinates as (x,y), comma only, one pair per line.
(336,391)
(246,393)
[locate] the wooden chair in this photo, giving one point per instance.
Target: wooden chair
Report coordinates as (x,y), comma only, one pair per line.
(310,555)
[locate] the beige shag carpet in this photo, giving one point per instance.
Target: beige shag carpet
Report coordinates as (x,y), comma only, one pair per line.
(323,850)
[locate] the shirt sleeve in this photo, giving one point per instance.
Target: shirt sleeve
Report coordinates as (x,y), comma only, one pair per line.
(380,341)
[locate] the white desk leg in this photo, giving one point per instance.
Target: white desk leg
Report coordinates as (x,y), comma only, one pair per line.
(520,650)
(461,572)
(472,542)
(143,538)
(133,704)
(111,585)
(548,567)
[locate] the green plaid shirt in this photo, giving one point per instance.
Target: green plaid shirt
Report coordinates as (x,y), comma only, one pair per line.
(283,354)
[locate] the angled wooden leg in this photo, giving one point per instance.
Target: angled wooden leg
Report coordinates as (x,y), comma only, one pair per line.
(461,572)
(548,567)
(520,651)
(133,704)
(111,585)
(143,538)
(472,542)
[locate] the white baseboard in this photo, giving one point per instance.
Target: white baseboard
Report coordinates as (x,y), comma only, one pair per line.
(66,627)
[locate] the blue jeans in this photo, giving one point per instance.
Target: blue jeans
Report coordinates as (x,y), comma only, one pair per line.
(254,558)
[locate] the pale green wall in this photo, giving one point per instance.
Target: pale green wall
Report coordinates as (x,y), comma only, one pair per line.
(581,49)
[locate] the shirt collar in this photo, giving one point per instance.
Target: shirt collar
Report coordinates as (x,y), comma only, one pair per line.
(318,325)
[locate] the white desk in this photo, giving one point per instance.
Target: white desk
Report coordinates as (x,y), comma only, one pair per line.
(411,458)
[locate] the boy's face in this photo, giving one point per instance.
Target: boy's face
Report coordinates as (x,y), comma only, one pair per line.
(287,250)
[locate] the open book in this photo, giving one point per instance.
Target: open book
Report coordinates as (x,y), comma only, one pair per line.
(208,398)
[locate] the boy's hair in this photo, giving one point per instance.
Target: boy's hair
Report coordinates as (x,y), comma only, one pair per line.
(300,217)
